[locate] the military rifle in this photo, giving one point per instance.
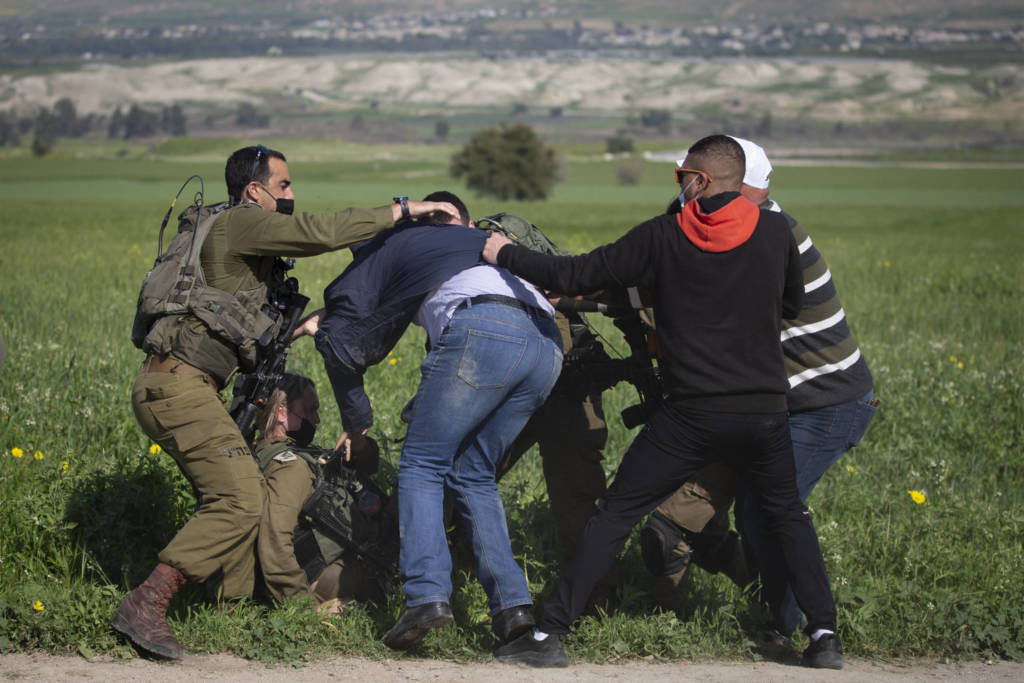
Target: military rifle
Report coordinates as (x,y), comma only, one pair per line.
(252,389)
(329,512)
(587,368)
(590,366)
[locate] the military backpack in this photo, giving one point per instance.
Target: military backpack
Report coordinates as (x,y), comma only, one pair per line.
(176,285)
(521,231)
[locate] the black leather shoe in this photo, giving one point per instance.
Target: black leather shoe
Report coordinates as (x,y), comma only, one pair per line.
(415,622)
(527,651)
(772,644)
(825,653)
(511,623)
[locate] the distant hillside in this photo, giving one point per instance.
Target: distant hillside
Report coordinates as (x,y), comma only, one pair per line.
(396,98)
(42,32)
(918,12)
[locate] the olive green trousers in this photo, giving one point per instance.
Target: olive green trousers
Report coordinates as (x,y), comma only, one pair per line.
(185,415)
(290,483)
(570,433)
(701,505)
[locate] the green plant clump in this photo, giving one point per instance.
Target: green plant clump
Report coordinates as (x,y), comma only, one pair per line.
(920,525)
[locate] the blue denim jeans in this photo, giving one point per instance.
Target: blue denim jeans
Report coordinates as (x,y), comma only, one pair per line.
(820,437)
(489,371)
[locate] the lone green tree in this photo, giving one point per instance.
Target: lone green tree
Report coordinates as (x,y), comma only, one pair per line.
(68,123)
(173,121)
(116,127)
(45,133)
(8,130)
(441,128)
(140,123)
(507,162)
(251,117)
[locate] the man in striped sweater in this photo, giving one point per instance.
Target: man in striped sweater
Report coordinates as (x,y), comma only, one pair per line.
(830,402)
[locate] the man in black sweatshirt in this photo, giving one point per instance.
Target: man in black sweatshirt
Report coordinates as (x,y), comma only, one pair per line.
(723,274)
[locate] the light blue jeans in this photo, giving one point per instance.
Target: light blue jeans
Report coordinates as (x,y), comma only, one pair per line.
(489,371)
(820,437)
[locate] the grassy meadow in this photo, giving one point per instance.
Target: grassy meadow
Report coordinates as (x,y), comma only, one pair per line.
(928,266)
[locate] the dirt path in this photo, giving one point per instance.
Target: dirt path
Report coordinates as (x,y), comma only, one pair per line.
(39,667)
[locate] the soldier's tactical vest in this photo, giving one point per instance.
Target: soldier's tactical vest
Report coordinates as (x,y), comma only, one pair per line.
(176,285)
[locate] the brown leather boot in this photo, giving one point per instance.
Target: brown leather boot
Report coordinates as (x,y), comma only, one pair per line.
(142,615)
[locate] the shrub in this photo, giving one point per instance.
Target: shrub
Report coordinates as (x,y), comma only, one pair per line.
(45,138)
(619,143)
(507,162)
(629,171)
(248,115)
(441,128)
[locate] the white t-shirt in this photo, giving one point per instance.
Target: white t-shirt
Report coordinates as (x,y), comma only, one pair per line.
(437,309)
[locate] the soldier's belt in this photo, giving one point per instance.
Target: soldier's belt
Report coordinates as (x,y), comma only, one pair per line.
(504,301)
(175,366)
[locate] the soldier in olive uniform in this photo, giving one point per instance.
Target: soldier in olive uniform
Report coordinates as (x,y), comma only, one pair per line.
(291,468)
(570,432)
(176,394)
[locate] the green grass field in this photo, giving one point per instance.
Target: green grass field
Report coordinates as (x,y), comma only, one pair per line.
(928,265)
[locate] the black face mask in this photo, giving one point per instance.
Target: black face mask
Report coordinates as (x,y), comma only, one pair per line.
(282,205)
(285,206)
(303,436)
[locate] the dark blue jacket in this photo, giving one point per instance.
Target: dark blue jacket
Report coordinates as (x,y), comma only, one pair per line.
(370,305)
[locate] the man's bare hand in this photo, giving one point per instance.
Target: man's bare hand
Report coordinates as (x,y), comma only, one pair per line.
(439,212)
(493,245)
(352,443)
(308,325)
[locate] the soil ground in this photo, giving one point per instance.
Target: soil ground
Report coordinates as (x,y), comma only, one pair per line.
(42,667)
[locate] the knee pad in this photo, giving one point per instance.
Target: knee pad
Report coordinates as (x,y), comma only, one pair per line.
(724,554)
(663,546)
(307,552)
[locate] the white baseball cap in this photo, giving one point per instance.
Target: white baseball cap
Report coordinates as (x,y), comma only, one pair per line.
(758,167)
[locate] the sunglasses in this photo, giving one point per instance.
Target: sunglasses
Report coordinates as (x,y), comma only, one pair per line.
(680,172)
(261,152)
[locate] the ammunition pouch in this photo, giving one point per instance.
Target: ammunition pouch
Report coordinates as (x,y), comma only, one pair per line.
(307,552)
(668,548)
(347,513)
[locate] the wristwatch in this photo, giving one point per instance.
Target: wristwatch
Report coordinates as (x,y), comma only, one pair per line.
(402,201)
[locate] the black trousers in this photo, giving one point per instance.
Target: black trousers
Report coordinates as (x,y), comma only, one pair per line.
(676,443)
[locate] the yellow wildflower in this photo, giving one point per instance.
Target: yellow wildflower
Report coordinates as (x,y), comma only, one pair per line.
(960,366)
(393,361)
(63,465)
(917,496)
(851,469)
(38,455)
(154,449)
(17,452)
(952,359)
(38,606)
(888,264)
